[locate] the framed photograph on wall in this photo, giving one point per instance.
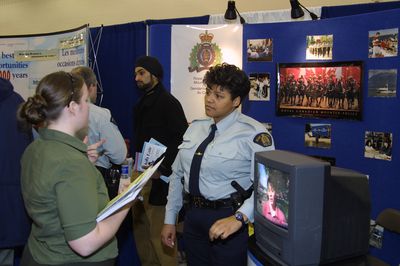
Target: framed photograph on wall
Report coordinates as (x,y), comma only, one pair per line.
(259,50)
(383,43)
(259,86)
(318,135)
(382,83)
(320,90)
(319,47)
(378,145)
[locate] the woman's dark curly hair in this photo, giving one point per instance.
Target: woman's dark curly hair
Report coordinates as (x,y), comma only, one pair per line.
(230,78)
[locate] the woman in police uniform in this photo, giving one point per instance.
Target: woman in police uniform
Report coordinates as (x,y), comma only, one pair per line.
(215,161)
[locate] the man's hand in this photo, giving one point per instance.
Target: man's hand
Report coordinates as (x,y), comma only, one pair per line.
(224,228)
(91,150)
(168,235)
(156,175)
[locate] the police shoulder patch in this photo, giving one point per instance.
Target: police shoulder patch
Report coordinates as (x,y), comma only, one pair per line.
(263,139)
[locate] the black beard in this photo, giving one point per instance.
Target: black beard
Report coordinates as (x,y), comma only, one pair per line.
(146,86)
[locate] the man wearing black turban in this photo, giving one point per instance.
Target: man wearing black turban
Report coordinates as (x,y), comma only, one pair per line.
(157,115)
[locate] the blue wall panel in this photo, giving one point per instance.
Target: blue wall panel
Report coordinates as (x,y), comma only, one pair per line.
(350,43)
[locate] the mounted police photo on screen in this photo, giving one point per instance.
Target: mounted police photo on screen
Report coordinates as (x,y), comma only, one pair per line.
(321,90)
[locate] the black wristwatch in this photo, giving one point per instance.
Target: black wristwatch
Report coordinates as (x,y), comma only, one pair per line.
(240,218)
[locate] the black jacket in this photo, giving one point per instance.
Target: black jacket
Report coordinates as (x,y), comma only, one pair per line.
(14,222)
(159,115)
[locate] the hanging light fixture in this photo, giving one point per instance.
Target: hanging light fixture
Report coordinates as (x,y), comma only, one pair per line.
(230,13)
(297,11)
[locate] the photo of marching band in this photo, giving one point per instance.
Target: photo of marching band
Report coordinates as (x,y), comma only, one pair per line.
(319,47)
(325,90)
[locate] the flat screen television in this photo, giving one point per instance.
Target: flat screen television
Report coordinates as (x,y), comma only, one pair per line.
(308,212)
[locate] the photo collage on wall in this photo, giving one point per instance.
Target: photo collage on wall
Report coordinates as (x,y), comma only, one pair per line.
(382,83)
(260,50)
(324,88)
(382,43)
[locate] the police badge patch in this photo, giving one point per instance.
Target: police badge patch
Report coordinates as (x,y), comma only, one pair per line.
(263,139)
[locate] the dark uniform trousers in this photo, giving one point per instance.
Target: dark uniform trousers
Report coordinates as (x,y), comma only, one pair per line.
(200,251)
(201,214)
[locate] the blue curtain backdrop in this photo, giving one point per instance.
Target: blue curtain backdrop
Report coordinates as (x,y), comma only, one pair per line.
(350,44)
(190,20)
(119,46)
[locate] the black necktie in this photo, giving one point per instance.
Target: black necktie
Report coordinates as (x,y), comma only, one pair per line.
(196,162)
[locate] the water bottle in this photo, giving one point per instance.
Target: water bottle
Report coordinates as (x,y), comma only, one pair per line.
(125,170)
(125,179)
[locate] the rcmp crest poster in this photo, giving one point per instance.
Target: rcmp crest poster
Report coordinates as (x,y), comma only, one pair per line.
(24,60)
(194,49)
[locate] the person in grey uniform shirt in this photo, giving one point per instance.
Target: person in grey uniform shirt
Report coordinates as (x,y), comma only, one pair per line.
(218,196)
(102,126)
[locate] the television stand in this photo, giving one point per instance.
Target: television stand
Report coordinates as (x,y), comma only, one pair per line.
(259,258)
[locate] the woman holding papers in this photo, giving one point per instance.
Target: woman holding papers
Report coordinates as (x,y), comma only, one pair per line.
(214,160)
(62,190)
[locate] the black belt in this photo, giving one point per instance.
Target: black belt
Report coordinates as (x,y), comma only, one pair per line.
(203,203)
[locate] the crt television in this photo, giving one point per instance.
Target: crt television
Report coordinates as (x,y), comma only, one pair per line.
(307,212)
